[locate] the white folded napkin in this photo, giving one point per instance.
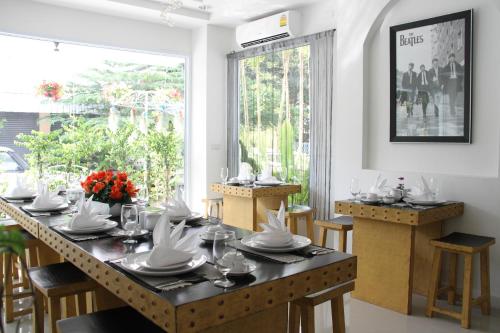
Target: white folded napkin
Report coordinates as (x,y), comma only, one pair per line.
(100,208)
(378,185)
(169,248)
(275,231)
(270,179)
(176,207)
(245,171)
(87,217)
(46,199)
(18,187)
(423,192)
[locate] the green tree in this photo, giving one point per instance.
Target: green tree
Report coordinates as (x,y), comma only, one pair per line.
(42,147)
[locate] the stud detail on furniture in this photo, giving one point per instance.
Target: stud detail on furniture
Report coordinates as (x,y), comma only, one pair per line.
(466,245)
(342,224)
(302,310)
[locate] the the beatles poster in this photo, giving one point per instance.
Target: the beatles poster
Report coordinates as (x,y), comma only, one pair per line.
(431,79)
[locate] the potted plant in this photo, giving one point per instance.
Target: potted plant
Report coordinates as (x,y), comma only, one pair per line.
(113,188)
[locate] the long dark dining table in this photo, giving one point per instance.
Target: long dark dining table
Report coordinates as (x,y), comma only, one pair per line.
(257,302)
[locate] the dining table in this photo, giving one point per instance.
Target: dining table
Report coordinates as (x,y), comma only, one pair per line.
(392,244)
(245,206)
(257,302)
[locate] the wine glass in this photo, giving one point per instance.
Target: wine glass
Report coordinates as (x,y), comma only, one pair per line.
(129,222)
(284,174)
(224,174)
(434,187)
(143,196)
(355,187)
(224,254)
(75,197)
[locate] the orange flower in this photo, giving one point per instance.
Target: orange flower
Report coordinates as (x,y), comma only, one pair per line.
(131,190)
(98,187)
(122,176)
(109,176)
(100,175)
(116,193)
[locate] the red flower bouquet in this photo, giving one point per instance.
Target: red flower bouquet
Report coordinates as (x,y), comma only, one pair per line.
(52,90)
(109,187)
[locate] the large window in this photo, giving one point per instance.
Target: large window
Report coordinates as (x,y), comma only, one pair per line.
(71,109)
(274,115)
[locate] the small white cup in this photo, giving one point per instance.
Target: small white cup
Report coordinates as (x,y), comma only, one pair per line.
(372,196)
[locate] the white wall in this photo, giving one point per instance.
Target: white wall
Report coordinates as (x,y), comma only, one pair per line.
(466,172)
(29,18)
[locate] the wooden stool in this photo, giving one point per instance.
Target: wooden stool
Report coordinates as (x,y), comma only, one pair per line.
(294,213)
(342,224)
(13,280)
(302,310)
(123,319)
(210,204)
(459,243)
(55,282)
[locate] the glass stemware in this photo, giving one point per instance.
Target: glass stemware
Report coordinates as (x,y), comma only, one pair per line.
(355,187)
(75,198)
(224,255)
(143,196)
(224,174)
(129,220)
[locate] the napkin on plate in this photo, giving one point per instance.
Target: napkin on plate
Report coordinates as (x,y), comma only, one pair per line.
(87,217)
(169,248)
(18,188)
(176,207)
(378,185)
(245,171)
(423,192)
(275,231)
(46,199)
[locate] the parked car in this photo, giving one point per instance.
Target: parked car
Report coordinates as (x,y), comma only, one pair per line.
(11,162)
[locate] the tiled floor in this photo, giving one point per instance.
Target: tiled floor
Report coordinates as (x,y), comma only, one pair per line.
(362,317)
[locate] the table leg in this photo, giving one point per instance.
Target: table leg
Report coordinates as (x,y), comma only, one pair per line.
(385,263)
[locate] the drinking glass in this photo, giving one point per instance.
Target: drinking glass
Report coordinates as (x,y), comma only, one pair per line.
(143,196)
(284,174)
(224,174)
(355,188)
(222,250)
(129,220)
(434,187)
(75,197)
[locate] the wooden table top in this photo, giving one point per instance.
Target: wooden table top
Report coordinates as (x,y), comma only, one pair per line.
(201,305)
(403,215)
(256,191)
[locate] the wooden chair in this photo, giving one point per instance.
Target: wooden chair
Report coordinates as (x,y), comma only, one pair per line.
(15,276)
(296,212)
(124,319)
(302,310)
(342,224)
(209,206)
(467,245)
(57,281)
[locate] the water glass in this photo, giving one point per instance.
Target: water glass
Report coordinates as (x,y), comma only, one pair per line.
(129,221)
(143,196)
(355,187)
(224,174)
(222,251)
(75,197)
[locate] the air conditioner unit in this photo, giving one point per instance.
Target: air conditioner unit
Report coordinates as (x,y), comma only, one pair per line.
(269,29)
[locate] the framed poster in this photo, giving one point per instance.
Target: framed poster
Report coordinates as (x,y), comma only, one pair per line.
(431,79)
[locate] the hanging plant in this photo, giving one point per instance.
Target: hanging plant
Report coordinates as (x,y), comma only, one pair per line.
(51,90)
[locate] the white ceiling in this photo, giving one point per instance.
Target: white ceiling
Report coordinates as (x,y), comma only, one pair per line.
(227,13)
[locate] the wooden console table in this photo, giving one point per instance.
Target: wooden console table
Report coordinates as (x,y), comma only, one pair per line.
(245,207)
(394,254)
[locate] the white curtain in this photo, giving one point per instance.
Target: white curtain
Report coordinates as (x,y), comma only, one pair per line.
(321,168)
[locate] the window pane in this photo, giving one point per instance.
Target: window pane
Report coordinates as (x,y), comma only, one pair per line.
(71,109)
(274,115)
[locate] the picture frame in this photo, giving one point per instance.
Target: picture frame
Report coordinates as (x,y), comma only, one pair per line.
(431,79)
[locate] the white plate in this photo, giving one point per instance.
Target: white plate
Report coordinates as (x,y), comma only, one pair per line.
(299,242)
(142,260)
(192,217)
(269,246)
(207,237)
(22,197)
(264,183)
(103,228)
(130,264)
(249,268)
(425,203)
(53,209)
(370,201)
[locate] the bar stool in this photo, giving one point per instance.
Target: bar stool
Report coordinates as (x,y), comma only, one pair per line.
(56,281)
(342,224)
(210,204)
(123,319)
(466,244)
(302,310)
(296,212)
(13,281)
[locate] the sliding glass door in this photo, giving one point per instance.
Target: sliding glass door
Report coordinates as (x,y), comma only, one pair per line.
(274,115)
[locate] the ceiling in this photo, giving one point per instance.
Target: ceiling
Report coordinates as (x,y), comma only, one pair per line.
(229,13)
